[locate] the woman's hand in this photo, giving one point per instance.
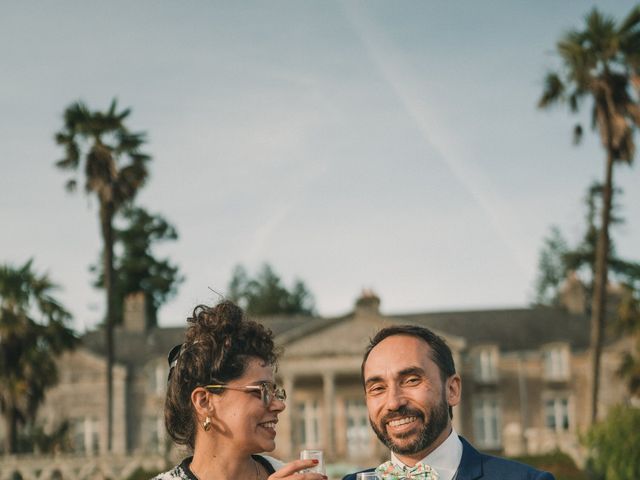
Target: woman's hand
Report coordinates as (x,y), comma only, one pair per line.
(294,471)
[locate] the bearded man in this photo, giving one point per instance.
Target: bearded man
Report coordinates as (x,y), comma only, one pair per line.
(410,384)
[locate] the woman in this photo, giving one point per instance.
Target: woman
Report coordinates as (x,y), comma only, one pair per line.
(222,401)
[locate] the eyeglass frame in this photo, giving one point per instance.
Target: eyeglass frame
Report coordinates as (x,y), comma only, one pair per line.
(268,391)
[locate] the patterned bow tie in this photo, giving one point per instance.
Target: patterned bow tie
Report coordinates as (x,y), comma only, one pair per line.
(391,471)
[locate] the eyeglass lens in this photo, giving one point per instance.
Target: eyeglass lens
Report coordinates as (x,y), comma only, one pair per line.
(269,391)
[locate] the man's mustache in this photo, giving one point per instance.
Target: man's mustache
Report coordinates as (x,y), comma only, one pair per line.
(403,411)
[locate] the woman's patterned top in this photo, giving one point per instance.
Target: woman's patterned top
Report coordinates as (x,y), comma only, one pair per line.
(183,472)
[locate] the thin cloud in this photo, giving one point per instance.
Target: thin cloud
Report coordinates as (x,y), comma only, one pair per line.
(396,73)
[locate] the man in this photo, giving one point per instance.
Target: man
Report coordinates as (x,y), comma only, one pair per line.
(411,385)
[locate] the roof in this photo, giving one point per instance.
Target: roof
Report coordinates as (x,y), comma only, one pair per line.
(137,348)
(509,329)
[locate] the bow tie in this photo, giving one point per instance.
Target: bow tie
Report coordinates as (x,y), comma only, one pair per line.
(391,471)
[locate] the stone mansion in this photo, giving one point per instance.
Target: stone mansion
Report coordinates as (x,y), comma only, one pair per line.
(524,377)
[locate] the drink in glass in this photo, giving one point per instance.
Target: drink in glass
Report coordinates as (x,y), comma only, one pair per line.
(315,455)
(367,476)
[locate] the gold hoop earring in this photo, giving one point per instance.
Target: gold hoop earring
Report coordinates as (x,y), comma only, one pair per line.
(206,424)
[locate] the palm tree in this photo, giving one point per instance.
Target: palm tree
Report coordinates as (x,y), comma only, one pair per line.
(32,334)
(136,267)
(105,141)
(601,63)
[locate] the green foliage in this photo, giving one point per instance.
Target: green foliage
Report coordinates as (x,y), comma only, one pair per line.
(552,269)
(557,258)
(32,334)
(560,464)
(629,324)
(136,268)
(615,443)
(105,139)
(598,62)
(35,439)
(265,294)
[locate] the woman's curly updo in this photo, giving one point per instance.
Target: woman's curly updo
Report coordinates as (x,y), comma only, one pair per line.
(218,344)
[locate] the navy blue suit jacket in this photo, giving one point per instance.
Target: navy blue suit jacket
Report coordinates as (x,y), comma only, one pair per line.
(475,465)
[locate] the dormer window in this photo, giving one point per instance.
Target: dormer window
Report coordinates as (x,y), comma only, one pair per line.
(556,361)
(485,360)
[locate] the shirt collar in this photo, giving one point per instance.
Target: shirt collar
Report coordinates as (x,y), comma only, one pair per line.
(444,459)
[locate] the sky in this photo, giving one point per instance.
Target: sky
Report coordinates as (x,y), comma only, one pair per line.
(392,146)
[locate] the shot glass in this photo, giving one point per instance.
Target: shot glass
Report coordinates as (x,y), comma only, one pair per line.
(367,476)
(315,455)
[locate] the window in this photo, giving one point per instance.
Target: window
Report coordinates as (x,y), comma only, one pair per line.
(486,364)
(86,435)
(358,436)
(307,423)
(486,422)
(556,413)
(556,362)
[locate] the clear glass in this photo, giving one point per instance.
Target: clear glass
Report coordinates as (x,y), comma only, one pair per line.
(367,476)
(316,455)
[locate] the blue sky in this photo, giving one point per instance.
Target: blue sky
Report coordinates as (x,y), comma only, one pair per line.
(386,145)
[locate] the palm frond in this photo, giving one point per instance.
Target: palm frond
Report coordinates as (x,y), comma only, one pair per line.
(631,23)
(553,90)
(71,185)
(600,31)
(112,108)
(67,163)
(124,114)
(577,134)
(129,142)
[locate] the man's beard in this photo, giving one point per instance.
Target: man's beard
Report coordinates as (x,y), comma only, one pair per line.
(437,422)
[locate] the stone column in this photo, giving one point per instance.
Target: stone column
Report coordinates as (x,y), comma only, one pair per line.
(286,443)
(328,384)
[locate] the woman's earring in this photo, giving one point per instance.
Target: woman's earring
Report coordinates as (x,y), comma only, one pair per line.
(206,424)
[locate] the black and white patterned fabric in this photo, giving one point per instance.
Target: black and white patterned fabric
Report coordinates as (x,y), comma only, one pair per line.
(183,472)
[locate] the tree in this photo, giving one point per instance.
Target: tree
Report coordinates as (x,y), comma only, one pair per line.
(100,142)
(32,334)
(557,259)
(614,445)
(601,62)
(265,294)
(629,324)
(136,268)
(552,268)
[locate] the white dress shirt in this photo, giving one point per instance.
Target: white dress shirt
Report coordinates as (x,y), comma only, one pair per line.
(445,459)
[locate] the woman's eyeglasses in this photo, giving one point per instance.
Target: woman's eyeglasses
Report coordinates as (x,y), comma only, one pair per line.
(268,391)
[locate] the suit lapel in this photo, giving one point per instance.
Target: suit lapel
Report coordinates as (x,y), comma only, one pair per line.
(470,464)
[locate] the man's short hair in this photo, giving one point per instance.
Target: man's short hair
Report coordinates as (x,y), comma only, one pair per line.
(440,351)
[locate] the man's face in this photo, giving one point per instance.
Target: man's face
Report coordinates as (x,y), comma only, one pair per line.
(407,400)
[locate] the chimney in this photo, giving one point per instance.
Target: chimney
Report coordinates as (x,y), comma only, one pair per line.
(368,303)
(573,294)
(135,312)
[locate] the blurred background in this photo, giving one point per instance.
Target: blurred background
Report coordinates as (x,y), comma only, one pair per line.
(315,161)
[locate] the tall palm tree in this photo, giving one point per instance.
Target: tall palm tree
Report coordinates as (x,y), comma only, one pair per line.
(32,334)
(601,63)
(100,142)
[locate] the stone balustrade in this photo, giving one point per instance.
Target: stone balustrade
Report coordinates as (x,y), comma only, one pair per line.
(77,467)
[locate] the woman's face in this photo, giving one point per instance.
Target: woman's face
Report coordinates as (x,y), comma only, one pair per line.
(241,417)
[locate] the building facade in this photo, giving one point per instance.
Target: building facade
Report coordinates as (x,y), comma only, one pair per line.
(525,385)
